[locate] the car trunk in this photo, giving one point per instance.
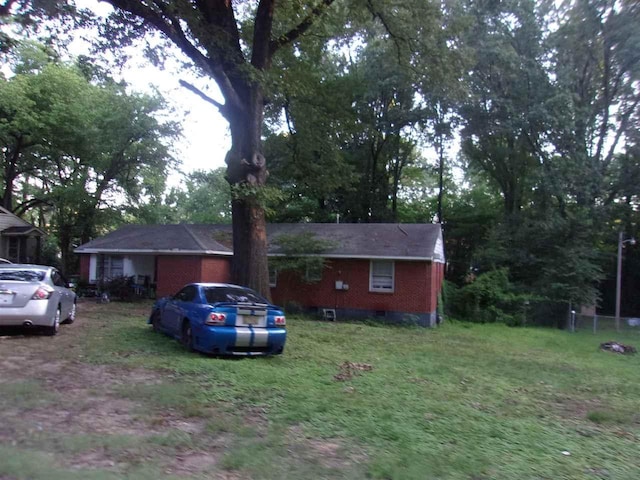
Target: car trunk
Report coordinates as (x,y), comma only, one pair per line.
(16,294)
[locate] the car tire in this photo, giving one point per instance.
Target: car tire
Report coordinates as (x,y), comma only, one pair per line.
(155,321)
(187,335)
(72,315)
(55,327)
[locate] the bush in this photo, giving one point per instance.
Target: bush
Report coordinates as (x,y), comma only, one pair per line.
(292,307)
(489,298)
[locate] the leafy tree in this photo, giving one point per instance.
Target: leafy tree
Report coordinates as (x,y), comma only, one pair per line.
(504,117)
(208,197)
(308,122)
(300,253)
(596,63)
(235,46)
(79,149)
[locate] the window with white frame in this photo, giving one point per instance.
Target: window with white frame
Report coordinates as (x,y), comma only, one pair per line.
(381,276)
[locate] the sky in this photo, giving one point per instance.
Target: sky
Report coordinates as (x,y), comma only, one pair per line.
(205,133)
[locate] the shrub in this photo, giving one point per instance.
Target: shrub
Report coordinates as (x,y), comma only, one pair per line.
(489,298)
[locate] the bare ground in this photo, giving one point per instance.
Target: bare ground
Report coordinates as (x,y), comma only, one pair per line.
(51,394)
(50,397)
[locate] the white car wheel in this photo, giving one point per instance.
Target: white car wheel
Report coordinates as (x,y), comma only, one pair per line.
(55,327)
(72,314)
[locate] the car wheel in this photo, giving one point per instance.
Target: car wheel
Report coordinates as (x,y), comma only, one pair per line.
(187,335)
(155,320)
(55,327)
(72,314)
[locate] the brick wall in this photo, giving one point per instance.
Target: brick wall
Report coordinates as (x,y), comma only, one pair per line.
(216,269)
(173,272)
(416,288)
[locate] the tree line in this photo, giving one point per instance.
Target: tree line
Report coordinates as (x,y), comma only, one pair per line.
(514,124)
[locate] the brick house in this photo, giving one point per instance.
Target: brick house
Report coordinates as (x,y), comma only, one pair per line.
(20,242)
(388,271)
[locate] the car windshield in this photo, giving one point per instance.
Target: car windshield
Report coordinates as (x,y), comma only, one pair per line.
(233,295)
(22,275)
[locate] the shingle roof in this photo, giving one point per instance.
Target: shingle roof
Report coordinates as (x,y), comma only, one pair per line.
(161,239)
(346,240)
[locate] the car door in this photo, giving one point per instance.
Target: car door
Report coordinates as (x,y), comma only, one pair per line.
(65,295)
(176,308)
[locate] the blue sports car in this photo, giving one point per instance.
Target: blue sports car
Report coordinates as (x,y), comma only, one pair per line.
(221,319)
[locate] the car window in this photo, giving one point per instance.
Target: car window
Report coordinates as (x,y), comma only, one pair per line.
(22,275)
(187,294)
(57,279)
(227,294)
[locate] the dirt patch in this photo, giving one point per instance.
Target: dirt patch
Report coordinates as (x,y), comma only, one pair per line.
(60,397)
(331,453)
(348,370)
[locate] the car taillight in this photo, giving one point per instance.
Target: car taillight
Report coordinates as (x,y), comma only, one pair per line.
(41,294)
(216,319)
(281,321)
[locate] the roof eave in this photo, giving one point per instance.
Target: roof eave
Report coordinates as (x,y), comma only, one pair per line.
(120,251)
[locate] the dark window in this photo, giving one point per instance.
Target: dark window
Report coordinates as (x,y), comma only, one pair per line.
(187,294)
(273,276)
(313,273)
(22,275)
(110,267)
(232,295)
(57,279)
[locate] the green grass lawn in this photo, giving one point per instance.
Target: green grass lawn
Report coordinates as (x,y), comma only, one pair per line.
(353,400)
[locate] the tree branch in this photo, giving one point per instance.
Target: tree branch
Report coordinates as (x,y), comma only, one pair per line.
(158,16)
(296,32)
(29,204)
(262,53)
(222,108)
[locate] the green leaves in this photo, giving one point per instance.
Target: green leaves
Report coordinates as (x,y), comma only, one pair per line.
(301,253)
(85,149)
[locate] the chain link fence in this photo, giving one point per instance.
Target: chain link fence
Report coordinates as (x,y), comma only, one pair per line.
(603,323)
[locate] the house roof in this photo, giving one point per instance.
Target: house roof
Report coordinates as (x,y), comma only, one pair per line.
(11,224)
(344,240)
(21,231)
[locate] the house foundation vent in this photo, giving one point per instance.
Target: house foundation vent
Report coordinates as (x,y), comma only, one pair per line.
(329,314)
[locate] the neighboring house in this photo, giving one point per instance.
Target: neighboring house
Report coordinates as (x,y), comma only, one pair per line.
(20,242)
(390,271)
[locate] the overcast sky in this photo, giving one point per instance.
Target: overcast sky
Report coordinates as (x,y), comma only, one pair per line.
(205,133)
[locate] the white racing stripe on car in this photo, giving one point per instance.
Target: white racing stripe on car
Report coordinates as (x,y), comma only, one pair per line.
(260,338)
(243,337)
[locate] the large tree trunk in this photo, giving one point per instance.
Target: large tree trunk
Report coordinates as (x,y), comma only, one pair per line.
(247,174)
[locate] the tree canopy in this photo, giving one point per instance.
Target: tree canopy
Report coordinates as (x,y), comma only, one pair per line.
(514,123)
(76,150)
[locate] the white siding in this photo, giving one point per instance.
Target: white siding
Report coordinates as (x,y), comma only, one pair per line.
(93,268)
